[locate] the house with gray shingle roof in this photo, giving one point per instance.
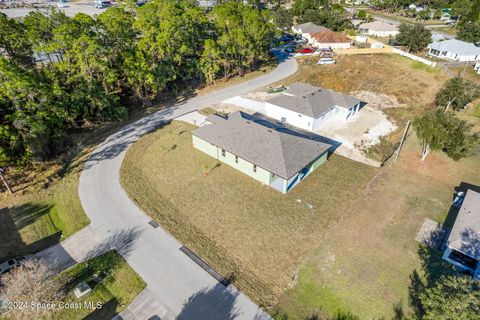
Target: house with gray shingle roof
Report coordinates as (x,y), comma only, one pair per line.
(379,29)
(308,29)
(454,49)
(307,107)
(463,245)
(269,152)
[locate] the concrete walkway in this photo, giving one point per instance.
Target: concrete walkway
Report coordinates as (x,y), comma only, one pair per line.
(195,118)
(180,287)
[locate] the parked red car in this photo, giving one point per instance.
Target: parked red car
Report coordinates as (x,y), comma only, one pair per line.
(305,50)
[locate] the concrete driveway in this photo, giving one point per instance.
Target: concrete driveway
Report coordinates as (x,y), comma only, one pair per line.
(182,288)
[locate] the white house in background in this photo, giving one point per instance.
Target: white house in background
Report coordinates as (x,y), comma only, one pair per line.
(306,30)
(477,67)
(416,8)
(455,50)
(463,245)
(330,40)
(307,107)
(207,4)
(379,29)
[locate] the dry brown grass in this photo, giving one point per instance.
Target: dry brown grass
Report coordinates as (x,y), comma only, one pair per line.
(366,259)
(231,220)
(382,73)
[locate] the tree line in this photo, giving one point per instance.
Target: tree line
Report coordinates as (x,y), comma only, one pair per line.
(109,64)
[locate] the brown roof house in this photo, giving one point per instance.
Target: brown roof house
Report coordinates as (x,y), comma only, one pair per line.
(330,40)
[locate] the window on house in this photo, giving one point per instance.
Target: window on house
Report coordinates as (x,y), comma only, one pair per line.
(223,152)
(236,159)
(254,168)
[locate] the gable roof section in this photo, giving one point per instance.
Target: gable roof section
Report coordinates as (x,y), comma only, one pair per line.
(456,46)
(465,234)
(378,26)
(310,27)
(270,146)
(312,101)
(331,37)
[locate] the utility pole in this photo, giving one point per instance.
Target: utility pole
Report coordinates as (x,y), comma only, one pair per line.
(2,171)
(402,141)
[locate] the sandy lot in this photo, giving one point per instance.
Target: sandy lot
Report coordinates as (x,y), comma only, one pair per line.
(360,131)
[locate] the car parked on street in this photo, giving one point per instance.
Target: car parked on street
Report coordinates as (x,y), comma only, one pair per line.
(306,50)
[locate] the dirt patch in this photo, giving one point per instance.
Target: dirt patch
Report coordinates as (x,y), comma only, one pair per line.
(387,74)
(377,100)
(260,95)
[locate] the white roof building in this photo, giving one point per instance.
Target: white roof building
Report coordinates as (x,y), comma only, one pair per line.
(379,29)
(463,244)
(455,50)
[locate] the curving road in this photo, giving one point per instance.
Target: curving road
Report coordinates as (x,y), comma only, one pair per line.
(176,286)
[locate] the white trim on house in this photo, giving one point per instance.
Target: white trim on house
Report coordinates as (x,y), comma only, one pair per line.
(379,29)
(455,50)
(334,45)
(306,122)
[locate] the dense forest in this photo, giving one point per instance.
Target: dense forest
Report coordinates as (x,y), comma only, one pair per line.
(100,68)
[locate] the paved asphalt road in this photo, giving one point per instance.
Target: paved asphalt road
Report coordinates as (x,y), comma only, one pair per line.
(184,290)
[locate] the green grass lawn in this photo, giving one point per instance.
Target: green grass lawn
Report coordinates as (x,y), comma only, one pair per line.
(476,111)
(115,293)
(34,221)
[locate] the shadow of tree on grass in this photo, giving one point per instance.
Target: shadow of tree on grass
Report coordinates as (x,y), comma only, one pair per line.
(14,219)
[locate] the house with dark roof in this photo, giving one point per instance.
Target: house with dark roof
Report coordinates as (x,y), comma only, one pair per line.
(269,152)
(307,107)
(331,40)
(463,244)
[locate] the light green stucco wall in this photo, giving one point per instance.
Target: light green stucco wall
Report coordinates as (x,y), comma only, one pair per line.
(244,166)
(204,146)
(311,167)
